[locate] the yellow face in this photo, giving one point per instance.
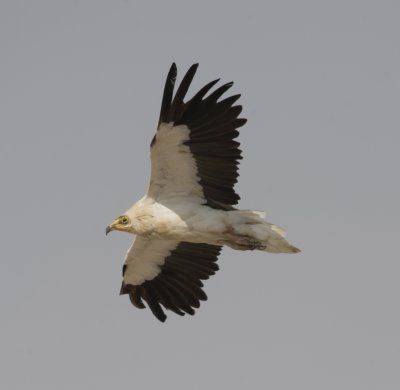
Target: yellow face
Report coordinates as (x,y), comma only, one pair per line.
(122,223)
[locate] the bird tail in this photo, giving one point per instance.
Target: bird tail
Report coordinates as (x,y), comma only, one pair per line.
(271,238)
(276,241)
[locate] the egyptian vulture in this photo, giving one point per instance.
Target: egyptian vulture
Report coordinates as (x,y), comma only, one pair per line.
(188,213)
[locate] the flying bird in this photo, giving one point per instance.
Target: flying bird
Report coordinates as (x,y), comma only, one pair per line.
(189,213)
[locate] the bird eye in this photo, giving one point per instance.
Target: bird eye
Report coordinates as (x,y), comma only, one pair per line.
(124,220)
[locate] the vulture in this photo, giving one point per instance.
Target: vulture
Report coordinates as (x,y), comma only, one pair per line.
(189,212)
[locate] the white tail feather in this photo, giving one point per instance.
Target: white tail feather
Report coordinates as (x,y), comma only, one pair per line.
(251,224)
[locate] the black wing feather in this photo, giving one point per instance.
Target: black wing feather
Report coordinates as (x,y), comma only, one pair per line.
(178,286)
(168,93)
(213,125)
(177,106)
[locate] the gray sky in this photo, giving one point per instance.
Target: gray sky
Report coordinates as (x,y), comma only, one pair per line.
(81,85)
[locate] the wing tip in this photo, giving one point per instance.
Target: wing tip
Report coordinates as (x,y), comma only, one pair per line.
(194,66)
(162,318)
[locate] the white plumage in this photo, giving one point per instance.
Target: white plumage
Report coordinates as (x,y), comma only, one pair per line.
(188,214)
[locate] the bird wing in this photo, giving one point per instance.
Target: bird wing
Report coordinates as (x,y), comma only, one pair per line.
(168,273)
(193,152)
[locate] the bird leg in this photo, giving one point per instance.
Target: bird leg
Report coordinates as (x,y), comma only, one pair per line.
(242,243)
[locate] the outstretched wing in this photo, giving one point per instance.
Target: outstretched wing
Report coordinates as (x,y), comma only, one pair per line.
(169,274)
(194,152)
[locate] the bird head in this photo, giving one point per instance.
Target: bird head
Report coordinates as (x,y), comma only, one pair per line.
(122,223)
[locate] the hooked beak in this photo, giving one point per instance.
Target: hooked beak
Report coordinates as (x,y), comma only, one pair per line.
(118,224)
(109,228)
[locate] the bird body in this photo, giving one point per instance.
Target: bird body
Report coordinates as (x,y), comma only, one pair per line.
(186,219)
(188,213)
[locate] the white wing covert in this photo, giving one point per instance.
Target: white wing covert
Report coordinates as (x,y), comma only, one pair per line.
(193,152)
(168,273)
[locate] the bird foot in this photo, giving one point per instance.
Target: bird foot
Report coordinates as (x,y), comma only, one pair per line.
(244,243)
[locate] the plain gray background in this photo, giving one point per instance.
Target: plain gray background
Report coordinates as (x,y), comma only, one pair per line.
(81,85)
